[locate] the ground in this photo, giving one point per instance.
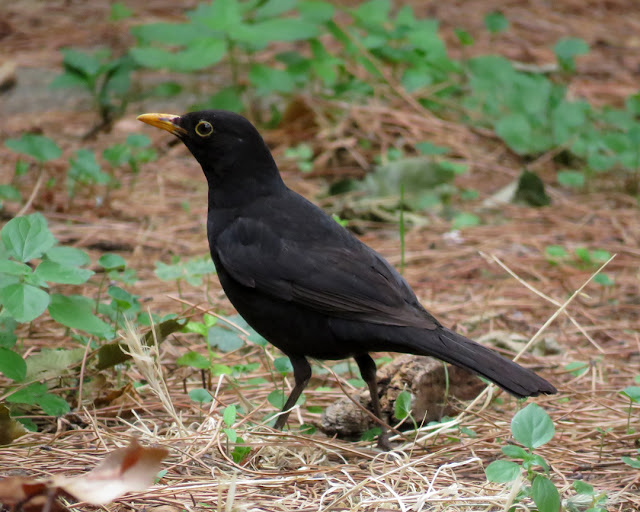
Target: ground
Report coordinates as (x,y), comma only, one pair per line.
(492,278)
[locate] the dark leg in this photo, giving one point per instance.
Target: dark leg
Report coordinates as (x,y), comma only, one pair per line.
(301,374)
(368,371)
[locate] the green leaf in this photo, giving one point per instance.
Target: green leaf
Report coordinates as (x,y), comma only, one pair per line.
(496,22)
(315,11)
(276,29)
(54,272)
(170,34)
(516,131)
(10,193)
(28,395)
(14,268)
(532,426)
(229,415)
(545,495)
(277,399)
(84,63)
(120,11)
(556,251)
(194,360)
(577,368)
(569,47)
(200,395)
(53,405)
(463,36)
(283,365)
(12,365)
(569,178)
(603,279)
(24,302)
(634,463)
(112,261)
(225,339)
(68,256)
(600,255)
(27,237)
(232,435)
(86,169)
(267,80)
(427,148)
(515,452)
(584,254)
(402,406)
(74,311)
(8,326)
(39,147)
(632,393)
(502,471)
(465,220)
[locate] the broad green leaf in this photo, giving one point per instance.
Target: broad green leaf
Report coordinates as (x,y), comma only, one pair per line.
(231,434)
(12,365)
(14,268)
(496,22)
(632,392)
(26,238)
(170,34)
(10,193)
(28,395)
(634,463)
(53,405)
(545,495)
(225,339)
(515,452)
(111,261)
(8,326)
(267,80)
(117,155)
(502,471)
(556,251)
(276,29)
(402,407)
(277,399)
(283,365)
(200,395)
(24,302)
(516,131)
(68,256)
(86,169)
(83,62)
(54,272)
(603,279)
(194,360)
(532,426)
(39,147)
(229,415)
(570,178)
(74,311)
(569,47)
(465,220)
(316,11)
(199,55)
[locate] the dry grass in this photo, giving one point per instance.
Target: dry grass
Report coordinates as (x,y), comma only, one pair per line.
(491,278)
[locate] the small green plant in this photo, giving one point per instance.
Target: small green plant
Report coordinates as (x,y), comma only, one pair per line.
(533,428)
(106,79)
(568,48)
(302,155)
(37,147)
(133,153)
(240,451)
(495,22)
(633,394)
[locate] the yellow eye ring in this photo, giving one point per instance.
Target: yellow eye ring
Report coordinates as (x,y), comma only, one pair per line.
(204,128)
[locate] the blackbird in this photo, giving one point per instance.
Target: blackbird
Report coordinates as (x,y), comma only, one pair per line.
(304,282)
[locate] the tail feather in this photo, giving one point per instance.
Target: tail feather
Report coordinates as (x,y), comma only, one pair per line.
(465,353)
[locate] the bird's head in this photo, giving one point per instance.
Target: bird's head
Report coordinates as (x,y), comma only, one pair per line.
(227,146)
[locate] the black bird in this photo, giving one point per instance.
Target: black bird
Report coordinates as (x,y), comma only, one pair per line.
(304,282)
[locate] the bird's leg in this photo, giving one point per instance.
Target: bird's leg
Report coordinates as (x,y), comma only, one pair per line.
(368,372)
(301,374)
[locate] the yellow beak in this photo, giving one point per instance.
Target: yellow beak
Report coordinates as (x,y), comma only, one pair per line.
(163,121)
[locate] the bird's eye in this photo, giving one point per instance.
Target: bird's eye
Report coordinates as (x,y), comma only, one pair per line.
(204,128)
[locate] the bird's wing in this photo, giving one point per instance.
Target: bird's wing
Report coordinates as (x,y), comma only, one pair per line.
(337,275)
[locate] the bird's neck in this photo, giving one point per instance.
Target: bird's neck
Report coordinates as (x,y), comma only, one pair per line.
(241,183)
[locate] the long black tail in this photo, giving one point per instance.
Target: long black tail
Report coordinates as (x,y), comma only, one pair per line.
(454,348)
